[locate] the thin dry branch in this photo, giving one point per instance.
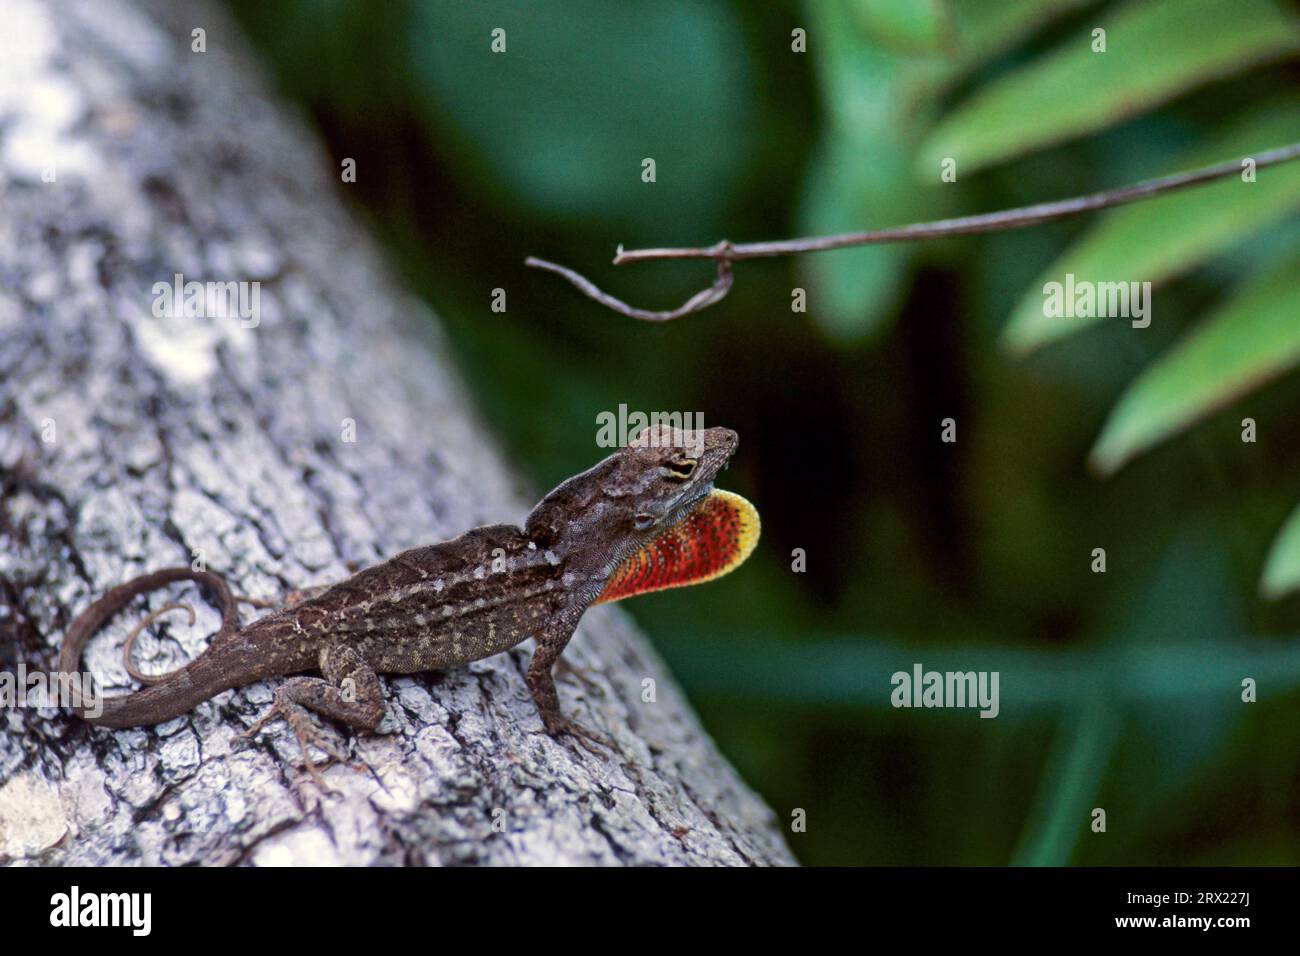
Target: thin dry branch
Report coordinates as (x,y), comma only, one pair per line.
(725,253)
(702,299)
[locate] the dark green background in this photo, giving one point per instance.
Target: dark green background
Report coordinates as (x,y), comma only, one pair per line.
(1118,690)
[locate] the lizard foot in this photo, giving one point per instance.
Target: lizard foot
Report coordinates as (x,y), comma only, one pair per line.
(560,726)
(308,734)
(349,692)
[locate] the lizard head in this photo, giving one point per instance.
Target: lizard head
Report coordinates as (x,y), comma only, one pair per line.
(668,471)
(636,493)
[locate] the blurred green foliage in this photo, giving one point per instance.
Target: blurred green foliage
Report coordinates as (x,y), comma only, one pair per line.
(1119,690)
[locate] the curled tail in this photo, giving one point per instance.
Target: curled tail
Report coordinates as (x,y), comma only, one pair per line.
(171,695)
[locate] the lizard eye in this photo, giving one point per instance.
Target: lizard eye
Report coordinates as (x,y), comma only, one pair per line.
(682,468)
(643,522)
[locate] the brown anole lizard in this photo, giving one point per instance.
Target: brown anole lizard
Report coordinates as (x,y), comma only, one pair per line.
(645,518)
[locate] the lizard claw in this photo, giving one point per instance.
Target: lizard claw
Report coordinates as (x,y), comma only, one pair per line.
(316,767)
(561,726)
(272,713)
(308,735)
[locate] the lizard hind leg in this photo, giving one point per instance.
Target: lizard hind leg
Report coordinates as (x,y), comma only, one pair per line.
(348,692)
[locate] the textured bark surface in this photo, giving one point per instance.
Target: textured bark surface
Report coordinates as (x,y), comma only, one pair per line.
(128,442)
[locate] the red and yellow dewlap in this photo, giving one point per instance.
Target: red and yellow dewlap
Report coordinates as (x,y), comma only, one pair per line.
(709,542)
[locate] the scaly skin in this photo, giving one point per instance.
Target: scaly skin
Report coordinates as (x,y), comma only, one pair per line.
(434,607)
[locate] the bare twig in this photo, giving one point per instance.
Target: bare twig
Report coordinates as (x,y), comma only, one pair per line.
(702,299)
(725,253)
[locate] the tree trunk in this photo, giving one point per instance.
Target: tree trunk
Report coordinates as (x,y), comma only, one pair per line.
(131,442)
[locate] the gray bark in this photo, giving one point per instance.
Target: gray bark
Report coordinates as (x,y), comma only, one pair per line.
(130,442)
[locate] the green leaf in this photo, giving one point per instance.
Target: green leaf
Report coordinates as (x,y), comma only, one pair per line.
(1155,50)
(1282,570)
(906,25)
(662,81)
(855,671)
(852,290)
(1159,238)
(942,41)
(1252,339)
(1070,783)
(858,175)
(985,28)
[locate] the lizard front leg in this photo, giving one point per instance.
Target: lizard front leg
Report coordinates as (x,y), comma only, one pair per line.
(348,692)
(551,642)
